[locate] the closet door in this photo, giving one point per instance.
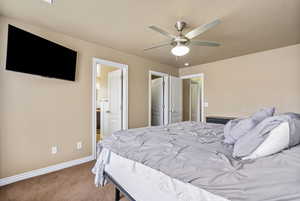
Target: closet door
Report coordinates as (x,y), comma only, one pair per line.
(175,106)
(195,101)
(157,102)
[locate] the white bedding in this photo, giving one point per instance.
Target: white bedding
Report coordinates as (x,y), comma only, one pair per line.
(146,184)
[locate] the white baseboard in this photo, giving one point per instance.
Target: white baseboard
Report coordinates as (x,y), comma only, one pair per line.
(38,172)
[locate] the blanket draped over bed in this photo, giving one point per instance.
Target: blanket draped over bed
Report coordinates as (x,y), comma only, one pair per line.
(195,153)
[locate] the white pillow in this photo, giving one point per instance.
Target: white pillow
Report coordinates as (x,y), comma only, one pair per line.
(277,140)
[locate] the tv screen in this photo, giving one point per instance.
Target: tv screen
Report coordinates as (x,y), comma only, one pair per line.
(28,53)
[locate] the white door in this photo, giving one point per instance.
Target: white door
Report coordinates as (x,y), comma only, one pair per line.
(175,107)
(112,115)
(157,102)
(195,101)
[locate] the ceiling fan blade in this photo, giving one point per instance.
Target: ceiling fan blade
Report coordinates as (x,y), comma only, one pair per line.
(163,44)
(159,30)
(202,29)
(205,43)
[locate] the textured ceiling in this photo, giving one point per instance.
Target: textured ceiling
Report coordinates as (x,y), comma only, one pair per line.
(247,25)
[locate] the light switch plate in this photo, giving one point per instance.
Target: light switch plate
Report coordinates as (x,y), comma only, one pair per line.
(54,150)
(206,104)
(79,145)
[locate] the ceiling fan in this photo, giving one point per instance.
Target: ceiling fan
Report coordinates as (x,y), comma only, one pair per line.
(181,42)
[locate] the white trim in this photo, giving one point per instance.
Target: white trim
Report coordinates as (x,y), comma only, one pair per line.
(94,106)
(158,73)
(42,171)
(166,96)
(190,100)
(125,98)
(202,91)
(166,99)
(192,76)
(98,69)
(109,63)
(124,68)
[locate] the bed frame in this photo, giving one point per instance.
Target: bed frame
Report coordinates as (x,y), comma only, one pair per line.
(118,188)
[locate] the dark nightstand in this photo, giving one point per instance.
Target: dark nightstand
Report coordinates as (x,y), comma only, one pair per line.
(218,119)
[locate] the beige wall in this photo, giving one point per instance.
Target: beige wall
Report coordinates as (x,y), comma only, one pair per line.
(37,112)
(241,85)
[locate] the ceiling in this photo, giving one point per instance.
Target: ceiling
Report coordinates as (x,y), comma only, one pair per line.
(247,26)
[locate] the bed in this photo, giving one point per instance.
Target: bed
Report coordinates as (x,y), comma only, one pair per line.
(188,161)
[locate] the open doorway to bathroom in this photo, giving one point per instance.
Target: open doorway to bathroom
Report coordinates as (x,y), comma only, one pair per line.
(110,99)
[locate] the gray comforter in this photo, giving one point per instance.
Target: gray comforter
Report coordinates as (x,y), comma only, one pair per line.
(194,153)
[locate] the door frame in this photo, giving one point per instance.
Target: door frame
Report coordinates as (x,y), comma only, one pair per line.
(124,68)
(165,77)
(202,91)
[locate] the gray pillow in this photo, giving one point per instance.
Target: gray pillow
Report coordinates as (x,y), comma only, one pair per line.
(237,128)
(227,131)
(294,124)
(240,128)
(263,114)
(292,115)
(248,143)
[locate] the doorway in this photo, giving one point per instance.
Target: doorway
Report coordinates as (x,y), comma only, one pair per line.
(193,97)
(109,99)
(158,98)
(195,100)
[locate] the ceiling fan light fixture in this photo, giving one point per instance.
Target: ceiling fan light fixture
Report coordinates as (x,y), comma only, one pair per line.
(49,1)
(186,64)
(180,50)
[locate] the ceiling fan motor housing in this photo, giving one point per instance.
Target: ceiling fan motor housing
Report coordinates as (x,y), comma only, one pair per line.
(180,40)
(180,25)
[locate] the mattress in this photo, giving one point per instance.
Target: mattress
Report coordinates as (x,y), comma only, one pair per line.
(146,184)
(194,154)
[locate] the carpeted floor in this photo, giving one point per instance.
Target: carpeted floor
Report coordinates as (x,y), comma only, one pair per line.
(71,184)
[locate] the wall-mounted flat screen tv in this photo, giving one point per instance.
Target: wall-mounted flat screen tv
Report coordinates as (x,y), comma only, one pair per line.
(28,53)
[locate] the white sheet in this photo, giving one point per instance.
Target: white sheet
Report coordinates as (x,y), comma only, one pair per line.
(146,184)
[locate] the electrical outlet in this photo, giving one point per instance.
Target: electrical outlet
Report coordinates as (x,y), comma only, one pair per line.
(206,104)
(54,150)
(79,145)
